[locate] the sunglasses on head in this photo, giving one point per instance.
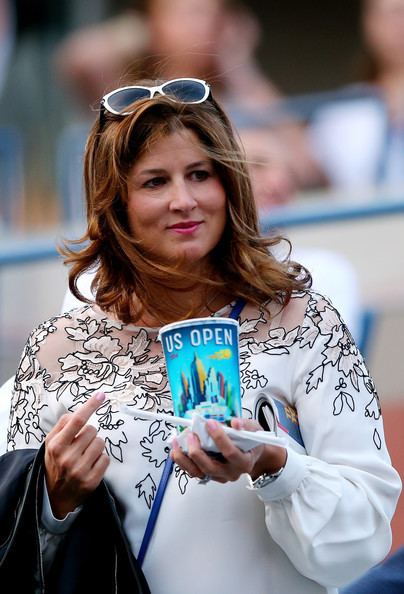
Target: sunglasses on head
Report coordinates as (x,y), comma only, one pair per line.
(181,90)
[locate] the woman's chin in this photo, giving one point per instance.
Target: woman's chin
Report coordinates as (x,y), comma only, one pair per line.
(187,259)
(191,258)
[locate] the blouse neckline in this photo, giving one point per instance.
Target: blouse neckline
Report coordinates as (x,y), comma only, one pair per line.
(100,314)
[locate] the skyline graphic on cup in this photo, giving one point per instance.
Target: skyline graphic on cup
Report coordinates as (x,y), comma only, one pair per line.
(202,360)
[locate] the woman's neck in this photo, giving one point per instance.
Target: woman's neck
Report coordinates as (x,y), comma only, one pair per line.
(202,302)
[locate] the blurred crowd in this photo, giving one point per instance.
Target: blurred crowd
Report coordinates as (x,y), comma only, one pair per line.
(351,138)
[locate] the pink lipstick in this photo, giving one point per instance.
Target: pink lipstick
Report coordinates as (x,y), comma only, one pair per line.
(186,227)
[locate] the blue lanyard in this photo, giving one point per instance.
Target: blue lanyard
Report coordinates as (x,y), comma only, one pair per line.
(236,309)
(168,467)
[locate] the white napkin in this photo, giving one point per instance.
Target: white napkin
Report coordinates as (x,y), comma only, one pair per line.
(245,440)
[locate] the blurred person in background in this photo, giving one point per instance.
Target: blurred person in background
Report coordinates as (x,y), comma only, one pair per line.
(201,38)
(360,142)
(271,166)
(275,184)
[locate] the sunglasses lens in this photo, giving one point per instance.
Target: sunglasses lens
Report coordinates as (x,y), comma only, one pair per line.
(186,91)
(182,90)
(122,99)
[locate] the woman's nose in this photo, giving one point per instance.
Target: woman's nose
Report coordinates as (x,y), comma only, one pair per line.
(182,197)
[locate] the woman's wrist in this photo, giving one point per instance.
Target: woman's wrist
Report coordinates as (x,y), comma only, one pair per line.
(270,461)
(59,506)
(49,521)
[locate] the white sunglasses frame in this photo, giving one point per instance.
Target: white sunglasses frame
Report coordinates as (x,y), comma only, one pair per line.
(153,90)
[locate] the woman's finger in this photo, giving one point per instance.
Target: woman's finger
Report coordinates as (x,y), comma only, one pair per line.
(79,418)
(226,446)
(245,424)
(94,450)
(185,462)
(96,473)
(84,438)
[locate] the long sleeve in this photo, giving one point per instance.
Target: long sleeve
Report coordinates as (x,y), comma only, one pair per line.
(32,413)
(330,511)
(52,530)
(30,418)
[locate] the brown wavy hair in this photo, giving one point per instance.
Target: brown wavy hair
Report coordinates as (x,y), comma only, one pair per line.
(242,260)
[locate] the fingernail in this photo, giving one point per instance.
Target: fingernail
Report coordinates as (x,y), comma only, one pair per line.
(174,444)
(237,423)
(100,396)
(191,439)
(212,425)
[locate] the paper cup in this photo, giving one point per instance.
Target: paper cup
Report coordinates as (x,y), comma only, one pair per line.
(202,359)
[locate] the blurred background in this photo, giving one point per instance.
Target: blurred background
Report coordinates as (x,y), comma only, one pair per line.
(316,93)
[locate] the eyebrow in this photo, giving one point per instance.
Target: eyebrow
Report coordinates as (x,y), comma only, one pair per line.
(161,170)
(151,172)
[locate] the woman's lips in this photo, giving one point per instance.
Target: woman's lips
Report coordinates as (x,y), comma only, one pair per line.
(186,227)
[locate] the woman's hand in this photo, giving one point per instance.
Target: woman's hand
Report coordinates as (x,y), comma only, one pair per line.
(75,460)
(198,464)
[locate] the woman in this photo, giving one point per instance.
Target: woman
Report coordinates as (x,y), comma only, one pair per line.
(172,232)
(359,142)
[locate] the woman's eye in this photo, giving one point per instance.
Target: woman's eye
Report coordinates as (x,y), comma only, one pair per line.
(200,175)
(154,182)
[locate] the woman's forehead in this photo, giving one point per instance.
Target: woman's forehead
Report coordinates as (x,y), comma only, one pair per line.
(177,145)
(176,139)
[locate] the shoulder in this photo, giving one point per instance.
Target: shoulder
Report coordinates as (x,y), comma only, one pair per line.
(304,310)
(305,307)
(63,344)
(302,304)
(58,335)
(57,324)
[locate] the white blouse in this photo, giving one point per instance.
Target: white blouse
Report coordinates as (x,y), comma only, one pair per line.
(322,523)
